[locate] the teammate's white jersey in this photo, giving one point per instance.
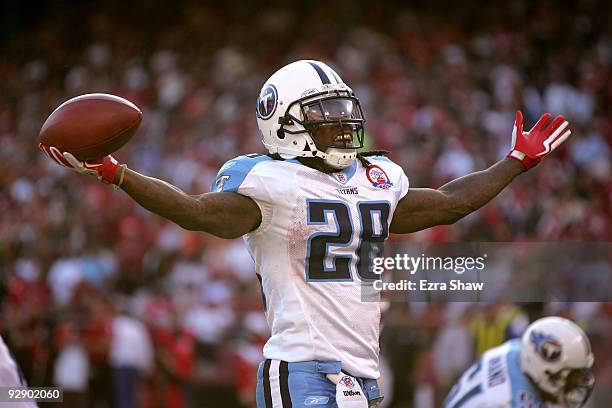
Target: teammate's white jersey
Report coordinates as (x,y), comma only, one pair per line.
(10,376)
(312,251)
(9,371)
(495,381)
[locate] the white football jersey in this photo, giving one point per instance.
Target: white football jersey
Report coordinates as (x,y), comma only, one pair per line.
(495,381)
(313,252)
(9,371)
(10,376)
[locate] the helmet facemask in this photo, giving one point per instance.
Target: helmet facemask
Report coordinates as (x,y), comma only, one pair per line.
(570,386)
(339,109)
(577,386)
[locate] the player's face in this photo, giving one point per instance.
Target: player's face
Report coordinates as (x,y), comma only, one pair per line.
(326,136)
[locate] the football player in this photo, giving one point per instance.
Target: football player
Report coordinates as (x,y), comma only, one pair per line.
(11,376)
(550,363)
(313,212)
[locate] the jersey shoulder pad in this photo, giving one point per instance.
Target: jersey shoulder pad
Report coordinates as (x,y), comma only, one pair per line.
(385,162)
(233,173)
(379,157)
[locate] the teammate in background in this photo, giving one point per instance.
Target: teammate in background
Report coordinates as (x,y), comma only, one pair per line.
(550,363)
(313,213)
(10,376)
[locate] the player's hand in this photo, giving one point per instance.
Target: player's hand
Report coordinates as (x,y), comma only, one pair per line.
(531,147)
(104,169)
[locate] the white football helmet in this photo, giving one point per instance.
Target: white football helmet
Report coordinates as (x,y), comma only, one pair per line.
(297,99)
(556,355)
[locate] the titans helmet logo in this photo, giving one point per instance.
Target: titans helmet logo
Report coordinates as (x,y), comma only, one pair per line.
(267,101)
(547,346)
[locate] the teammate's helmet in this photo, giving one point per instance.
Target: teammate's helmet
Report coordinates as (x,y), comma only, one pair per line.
(556,355)
(297,99)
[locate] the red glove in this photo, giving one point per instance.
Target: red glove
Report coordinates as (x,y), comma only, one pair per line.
(104,168)
(531,147)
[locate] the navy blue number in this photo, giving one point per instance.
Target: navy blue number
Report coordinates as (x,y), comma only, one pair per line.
(318,243)
(373,235)
(374,230)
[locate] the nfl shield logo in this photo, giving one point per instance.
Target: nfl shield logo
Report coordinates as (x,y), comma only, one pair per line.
(347,381)
(341,177)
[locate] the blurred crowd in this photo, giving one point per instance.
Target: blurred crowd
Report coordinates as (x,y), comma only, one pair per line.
(122,308)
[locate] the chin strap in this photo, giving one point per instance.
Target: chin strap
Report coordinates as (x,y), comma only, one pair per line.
(339,158)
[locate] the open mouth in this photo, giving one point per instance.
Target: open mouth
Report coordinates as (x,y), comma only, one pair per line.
(344,140)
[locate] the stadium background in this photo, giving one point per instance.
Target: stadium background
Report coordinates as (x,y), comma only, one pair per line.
(108,301)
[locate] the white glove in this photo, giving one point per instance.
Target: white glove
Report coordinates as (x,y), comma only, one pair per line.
(348,391)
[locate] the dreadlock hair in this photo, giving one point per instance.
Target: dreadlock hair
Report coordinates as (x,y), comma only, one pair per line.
(318,163)
(365,162)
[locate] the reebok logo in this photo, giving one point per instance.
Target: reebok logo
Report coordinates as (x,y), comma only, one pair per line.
(316,400)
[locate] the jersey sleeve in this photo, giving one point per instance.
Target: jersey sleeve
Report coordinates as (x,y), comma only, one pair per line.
(404,184)
(241,175)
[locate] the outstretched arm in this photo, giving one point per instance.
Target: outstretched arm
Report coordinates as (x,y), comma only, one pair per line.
(422,208)
(226,215)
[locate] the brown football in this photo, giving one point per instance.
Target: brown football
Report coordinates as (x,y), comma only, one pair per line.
(91,126)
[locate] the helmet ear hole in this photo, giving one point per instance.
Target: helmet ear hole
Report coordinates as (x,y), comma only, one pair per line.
(280,134)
